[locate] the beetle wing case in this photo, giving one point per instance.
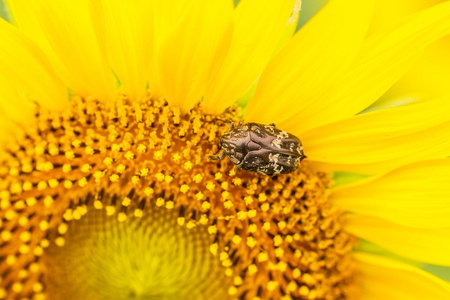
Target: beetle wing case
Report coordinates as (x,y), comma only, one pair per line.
(263,149)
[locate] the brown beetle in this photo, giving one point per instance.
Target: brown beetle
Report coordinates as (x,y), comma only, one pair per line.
(263,149)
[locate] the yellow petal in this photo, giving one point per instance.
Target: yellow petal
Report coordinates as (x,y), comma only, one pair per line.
(188,52)
(26,67)
(291,25)
(428,245)
(310,62)
(384,278)
(13,105)
(258,29)
(429,76)
(415,195)
(382,140)
(165,16)
(127,41)
(385,57)
(74,31)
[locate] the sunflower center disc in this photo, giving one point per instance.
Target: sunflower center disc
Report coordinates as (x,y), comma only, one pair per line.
(120,201)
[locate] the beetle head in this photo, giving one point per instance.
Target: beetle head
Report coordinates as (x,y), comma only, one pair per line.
(224,139)
(231,150)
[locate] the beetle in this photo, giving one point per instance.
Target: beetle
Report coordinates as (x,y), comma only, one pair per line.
(260,148)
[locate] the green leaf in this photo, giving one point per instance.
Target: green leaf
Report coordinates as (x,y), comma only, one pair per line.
(4,13)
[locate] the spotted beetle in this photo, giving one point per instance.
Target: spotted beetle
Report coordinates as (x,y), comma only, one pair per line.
(263,149)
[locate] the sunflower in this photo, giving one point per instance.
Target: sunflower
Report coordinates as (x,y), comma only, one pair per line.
(111,110)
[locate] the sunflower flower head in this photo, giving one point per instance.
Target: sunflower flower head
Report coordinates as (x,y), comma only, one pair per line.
(99,184)
(113,194)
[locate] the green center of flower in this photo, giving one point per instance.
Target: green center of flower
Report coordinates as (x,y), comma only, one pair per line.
(120,200)
(143,258)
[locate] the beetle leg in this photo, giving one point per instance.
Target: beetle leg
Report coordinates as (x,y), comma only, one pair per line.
(273,124)
(231,125)
(241,121)
(220,156)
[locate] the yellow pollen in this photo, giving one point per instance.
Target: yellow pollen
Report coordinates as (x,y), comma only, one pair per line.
(11,215)
(188,166)
(168,179)
(110,210)
(148,191)
(25,236)
(232,291)
(70,155)
(31,201)
(38,251)
(66,168)
(27,186)
(271,285)
(262,197)
(160,202)
(197,178)
(126,201)
(60,241)
(224,185)
(242,215)
(43,225)
(141,148)
(48,201)
(68,184)
(184,188)
(159,176)
(252,213)
(17,287)
(19,205)
(265,207)
(82,182)
(114,178)
(138,213)
(53,183)
(62,228)
(263,256)
(23,221)
(225,195)
(296,273)
(236,239)
(228,204)
(86,168)
(38,287)
(251,242)
(210,186)
(98,204)
(214,248)
(199,196)
(11,260)
(24,249)
(206,205)
(181,221)
(23,274)
(120,168)
(191,224)
(252,269)
(5,235)
(89,150)
(121,217)
(272,237)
